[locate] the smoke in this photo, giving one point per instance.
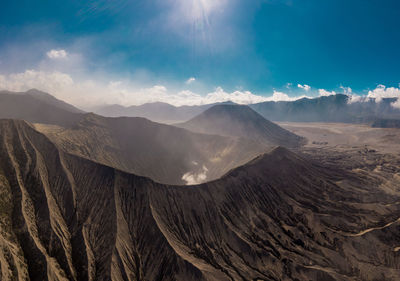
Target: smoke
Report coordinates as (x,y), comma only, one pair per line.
(192,178)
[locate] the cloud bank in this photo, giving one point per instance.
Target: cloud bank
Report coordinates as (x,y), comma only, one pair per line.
(97,92)
(382,92)
(377,95)
(87,90)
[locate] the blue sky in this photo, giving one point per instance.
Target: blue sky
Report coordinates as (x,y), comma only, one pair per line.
(259,46)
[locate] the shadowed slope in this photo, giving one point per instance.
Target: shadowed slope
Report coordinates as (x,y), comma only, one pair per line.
(241,121)
(37,107)
(279,217)
(164,153)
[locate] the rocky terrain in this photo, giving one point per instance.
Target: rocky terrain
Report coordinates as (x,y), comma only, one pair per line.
(282,216)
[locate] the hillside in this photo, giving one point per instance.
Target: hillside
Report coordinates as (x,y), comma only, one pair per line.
(279,217)
(164,153)
(241,121)
(37,107)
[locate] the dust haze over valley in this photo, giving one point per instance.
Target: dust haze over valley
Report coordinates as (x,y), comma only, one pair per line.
(199,140)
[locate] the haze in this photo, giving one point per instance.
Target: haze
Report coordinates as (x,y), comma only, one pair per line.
(199,140)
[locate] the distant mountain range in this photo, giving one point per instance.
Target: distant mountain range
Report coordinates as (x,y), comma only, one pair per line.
(157,111)
(39,107)
(335,108)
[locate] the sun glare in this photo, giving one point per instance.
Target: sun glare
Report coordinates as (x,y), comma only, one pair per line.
(196,11)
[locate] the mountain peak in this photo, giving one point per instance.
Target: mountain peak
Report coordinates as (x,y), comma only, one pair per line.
(241,121)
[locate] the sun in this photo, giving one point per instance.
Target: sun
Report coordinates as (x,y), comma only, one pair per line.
(199,22)
(199,11)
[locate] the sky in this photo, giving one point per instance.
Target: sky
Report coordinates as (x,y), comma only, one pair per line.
(200,51)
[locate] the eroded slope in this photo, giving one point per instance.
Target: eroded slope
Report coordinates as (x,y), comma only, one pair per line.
(279,217)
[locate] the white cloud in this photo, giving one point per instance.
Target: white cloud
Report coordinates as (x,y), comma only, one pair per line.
(239,97)
(92,92)
(192,178)
(396,104)
(378,94)
(280,96)
(346,90)
(304,87)
(355,98)
(325,93)
(190,80)
(51,81)
(382,92)
(352,98)
(57,54)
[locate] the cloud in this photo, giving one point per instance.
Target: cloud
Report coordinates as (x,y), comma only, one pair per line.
(325,93)
(192,178)
(57,54)
(378,94)
(382,92)
(304,87)
(355,98)
(50,81)
(346,90)
(396,104)
(280,96)
(100,90)
(240,97)
(190,80)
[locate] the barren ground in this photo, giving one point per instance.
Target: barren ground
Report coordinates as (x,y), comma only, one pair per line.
(347,136)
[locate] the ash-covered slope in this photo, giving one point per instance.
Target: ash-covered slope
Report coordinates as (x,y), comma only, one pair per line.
(164,153)
(66,218)
(280,217)
(241,121)
(37,107)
